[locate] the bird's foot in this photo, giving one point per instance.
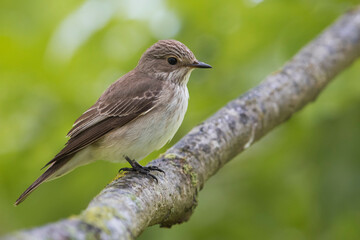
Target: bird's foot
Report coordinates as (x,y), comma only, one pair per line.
(136,167)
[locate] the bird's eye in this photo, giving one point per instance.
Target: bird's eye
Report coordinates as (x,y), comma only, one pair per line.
(172,60)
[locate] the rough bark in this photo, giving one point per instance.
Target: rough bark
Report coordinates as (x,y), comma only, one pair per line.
(131,203)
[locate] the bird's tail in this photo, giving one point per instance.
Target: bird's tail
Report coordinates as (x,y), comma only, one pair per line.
(47,175)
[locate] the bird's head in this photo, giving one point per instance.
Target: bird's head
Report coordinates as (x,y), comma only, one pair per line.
(170,60)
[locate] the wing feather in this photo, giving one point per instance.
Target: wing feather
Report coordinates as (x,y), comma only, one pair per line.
(118,105)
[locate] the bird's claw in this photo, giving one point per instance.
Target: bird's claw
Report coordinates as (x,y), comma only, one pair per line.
(136,167)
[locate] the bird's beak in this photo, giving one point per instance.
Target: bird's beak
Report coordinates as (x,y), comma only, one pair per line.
(198,64)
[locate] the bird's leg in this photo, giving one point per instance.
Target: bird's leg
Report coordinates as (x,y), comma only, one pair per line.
(136,167)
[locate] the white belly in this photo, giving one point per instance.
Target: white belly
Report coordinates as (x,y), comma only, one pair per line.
(147,133)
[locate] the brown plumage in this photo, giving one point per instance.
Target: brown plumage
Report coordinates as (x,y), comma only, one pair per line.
(112,122)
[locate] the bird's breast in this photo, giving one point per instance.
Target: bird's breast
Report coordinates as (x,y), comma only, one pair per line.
(149,132)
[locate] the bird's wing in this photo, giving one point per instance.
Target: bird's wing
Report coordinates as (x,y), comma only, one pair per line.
(130,97)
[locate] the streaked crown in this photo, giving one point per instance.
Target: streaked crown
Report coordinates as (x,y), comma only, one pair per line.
(169,59)
(164,48)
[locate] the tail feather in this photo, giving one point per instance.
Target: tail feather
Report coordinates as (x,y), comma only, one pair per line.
(55,166)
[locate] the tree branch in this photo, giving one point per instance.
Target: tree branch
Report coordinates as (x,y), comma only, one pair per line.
(131,203)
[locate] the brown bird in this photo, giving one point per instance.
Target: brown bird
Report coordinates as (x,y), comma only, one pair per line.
(137,114)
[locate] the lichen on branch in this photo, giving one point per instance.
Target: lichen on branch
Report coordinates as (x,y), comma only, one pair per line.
(131,203)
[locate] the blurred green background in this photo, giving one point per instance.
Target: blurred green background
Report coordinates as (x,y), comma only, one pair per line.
(302,181)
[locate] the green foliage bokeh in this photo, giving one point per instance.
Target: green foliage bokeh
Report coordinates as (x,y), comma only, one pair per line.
(56,57)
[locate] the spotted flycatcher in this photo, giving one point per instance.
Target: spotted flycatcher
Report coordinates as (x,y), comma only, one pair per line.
(137,114)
